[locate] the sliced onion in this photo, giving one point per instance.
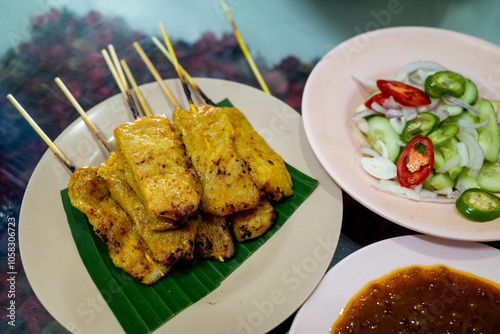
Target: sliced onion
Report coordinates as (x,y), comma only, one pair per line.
(393,188)
(385,153)
(445,191)
(430,107)
(401,143)
(378,108)
(369,84)
(363,113)
(454,194)
(476,153)
(390,103)
(464,155)
(450,100)
(398,124)
(379,167)
(394,113)
(409,113)
(421,64)
(363,125)
(455,161)
(475,126)
(370,151)
(471,131)
(442,114)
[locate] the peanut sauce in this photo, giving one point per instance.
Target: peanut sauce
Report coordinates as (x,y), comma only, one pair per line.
(419,299)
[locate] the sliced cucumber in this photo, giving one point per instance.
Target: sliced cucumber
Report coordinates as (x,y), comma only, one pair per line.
(489,177)
(452,110)
(488,134)
(379,128)
(438,159)
(495,104)
(449,150)
(441,181)
(470,94)
(464,181)
(427,182)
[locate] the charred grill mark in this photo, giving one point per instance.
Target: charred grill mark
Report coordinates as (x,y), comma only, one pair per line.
(245,234)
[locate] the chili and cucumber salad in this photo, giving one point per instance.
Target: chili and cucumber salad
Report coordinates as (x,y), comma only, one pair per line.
(429,136)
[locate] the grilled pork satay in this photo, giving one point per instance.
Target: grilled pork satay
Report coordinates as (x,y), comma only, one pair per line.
(213,238)
(209,142)
(89,194)
(165,247)
(267,168)
(253,223)
(160,167)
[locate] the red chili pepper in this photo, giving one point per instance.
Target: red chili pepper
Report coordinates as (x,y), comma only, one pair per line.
(415,162)
(378,98)
(403,94)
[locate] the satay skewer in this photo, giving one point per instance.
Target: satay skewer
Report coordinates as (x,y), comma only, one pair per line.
(187,92)
(42,134)
(82,113)
(244,49)
(111,226)
(193,84)
(137,92)
(116,63)
(114,72)
(155,74)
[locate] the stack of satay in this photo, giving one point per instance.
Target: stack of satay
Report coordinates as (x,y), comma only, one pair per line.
(176,190)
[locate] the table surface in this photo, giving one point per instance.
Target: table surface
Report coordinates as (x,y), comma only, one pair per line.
(42,40)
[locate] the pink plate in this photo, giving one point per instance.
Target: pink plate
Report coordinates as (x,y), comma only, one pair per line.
(331,96)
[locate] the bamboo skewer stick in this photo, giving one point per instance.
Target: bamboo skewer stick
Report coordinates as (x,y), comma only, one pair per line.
(42,134)
(119,69)
(114,72)
(133,106)
(136,89)
(121,84)
(186,75)
(155,74)
(177,68)
(244,49)
(82,113)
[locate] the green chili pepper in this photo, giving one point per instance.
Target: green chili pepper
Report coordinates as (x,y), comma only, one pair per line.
(443,133)
(478,205)
(445,83)
(421,125)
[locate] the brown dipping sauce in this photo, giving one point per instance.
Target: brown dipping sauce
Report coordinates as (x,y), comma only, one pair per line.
(420,299)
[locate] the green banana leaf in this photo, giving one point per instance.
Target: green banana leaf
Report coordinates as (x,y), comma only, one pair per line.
(142,309)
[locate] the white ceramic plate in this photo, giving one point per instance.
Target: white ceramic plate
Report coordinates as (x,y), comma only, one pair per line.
(258,296)
(331,95)
(351,274)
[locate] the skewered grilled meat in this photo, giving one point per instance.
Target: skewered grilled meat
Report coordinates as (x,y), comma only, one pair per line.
(165,247)
(160,167)
(213,238)
(253,223)
(267,168)
(89,194)
(209,140)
